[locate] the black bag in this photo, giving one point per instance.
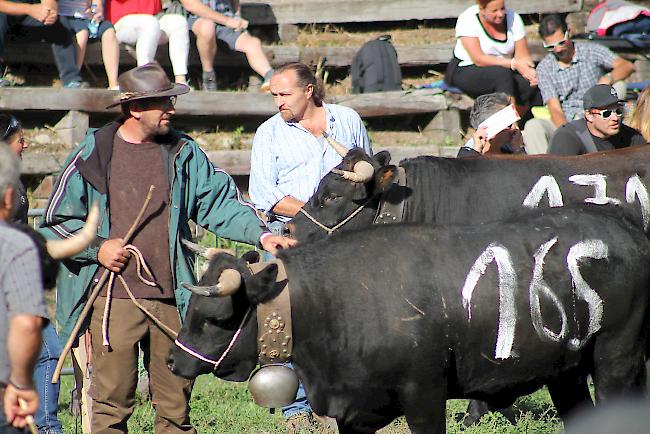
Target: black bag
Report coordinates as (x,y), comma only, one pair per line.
(375,67)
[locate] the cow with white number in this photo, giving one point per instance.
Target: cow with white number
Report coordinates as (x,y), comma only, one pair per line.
(395,319)
(364,190)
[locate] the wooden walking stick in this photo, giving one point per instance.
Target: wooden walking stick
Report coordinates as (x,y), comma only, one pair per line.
(95,292)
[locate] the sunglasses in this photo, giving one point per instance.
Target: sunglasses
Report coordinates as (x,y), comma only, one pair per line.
(560,44)
(607,113)
(14,125)
(158,101)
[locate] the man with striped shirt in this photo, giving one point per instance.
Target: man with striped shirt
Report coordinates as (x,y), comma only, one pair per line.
(289,158)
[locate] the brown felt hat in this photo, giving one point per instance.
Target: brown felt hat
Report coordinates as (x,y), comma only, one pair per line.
(146,81)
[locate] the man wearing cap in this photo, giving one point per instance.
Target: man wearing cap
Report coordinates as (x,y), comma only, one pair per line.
(115,165)
(601,129)
(565,74)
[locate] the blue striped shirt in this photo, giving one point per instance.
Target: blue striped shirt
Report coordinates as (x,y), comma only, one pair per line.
(288,160)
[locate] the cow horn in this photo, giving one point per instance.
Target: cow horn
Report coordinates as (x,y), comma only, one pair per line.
(363,172)
(229,283)
(60,249)
(206,252)
(339,148)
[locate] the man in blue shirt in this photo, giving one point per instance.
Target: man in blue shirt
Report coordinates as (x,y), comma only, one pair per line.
(290,154)
(289,158)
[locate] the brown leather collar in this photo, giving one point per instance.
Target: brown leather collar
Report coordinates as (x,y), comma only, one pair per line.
(274,333)
(391,205)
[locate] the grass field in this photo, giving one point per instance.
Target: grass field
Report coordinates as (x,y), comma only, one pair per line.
(227,408)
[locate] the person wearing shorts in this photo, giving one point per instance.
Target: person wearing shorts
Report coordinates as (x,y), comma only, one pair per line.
(213,20)
(75,15)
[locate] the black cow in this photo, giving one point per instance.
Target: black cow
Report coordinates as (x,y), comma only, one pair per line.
(395,319)
(476,190)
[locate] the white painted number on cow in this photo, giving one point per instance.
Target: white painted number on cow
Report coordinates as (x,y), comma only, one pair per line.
(600,188)
(546,184)
(538,286)
(507,285)
(634,190)
(595,249)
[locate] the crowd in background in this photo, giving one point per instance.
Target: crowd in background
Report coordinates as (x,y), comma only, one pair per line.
(70,25)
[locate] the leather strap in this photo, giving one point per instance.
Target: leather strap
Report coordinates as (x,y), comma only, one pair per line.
(274,333)
(391,206)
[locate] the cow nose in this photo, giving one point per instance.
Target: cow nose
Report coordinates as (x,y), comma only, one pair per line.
(289,230)
(170,363)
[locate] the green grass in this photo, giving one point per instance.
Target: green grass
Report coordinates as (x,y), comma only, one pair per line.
(227,408)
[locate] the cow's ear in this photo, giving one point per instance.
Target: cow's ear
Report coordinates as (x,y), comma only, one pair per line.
(262,286)
(382,158)
(384,178)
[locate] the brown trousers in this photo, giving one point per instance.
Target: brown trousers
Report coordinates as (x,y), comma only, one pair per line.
(115,369)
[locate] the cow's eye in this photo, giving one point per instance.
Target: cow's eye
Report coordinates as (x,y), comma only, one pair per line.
(330,198)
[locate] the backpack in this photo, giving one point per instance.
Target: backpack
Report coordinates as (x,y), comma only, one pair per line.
(621,19)
(375,67)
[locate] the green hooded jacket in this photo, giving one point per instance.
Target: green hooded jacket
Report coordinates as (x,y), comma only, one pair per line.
(199,192)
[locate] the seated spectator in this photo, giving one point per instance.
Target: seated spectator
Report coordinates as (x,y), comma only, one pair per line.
(641,117)
(142,23)
(39,20)
(601,129)
(213,20)
(564,76)
(508,141)
(491,54)
(76,15)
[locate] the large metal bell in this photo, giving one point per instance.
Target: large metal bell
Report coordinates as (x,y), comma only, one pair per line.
(273,386)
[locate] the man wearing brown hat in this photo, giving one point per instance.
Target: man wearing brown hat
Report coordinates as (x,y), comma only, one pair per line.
(115,165)
(601,129)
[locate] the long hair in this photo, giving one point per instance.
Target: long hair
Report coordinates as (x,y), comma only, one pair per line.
(641,116)
(306,76)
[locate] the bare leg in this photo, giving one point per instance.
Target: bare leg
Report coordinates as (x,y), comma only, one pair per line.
(82,43)
(206,42)
(111,56)
(252,47)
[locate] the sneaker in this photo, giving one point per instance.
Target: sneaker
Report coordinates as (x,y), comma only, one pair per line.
(5,83)
(76,84)
(266,86)
(300,423)
(209,81)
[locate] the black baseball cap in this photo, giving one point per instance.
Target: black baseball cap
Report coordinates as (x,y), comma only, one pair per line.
(600,95)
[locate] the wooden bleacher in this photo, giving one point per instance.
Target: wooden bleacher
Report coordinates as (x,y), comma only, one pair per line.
(355,11)
(291,13)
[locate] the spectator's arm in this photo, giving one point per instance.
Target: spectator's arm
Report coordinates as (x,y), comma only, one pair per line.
(557,114)
(621,69)
(473,48)
(38,11)
(23,347)
(523,63)
(196,7)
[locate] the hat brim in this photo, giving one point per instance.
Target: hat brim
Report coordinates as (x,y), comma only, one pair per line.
(177,89)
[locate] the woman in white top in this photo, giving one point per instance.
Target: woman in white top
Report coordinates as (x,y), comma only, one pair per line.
(491,54)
